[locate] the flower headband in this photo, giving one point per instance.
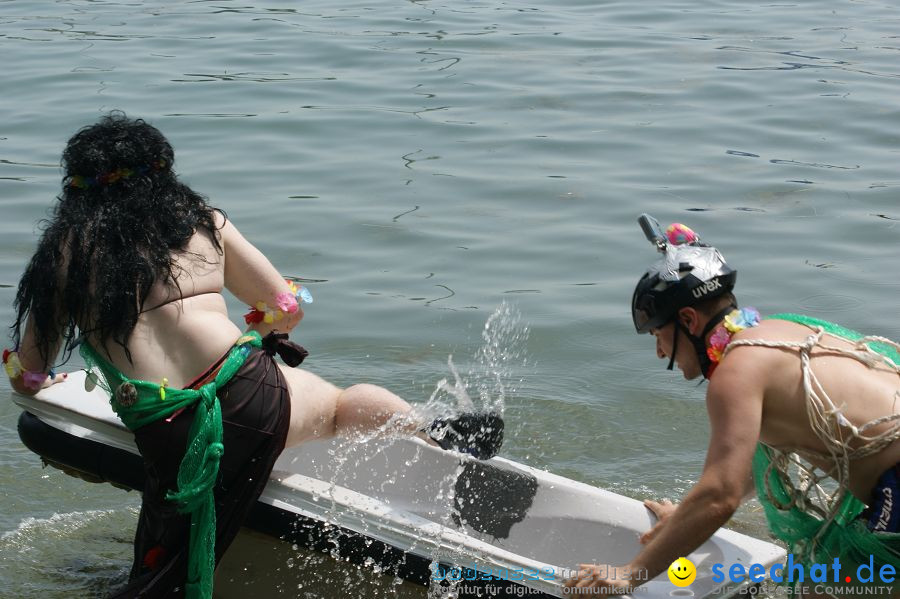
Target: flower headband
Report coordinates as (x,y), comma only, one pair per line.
(81,182)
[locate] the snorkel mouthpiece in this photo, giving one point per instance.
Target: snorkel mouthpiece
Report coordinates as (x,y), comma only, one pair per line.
(653,232)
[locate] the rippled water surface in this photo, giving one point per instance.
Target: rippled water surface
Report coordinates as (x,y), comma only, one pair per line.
(424,162)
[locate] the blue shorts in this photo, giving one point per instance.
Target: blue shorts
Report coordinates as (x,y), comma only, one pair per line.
(883,514)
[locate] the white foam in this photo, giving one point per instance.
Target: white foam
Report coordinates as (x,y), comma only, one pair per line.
(65,522)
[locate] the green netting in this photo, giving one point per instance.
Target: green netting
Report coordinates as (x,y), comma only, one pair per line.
(200,466)
(811,537)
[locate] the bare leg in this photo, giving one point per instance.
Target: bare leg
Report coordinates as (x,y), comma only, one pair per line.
(320,410)
(367,407)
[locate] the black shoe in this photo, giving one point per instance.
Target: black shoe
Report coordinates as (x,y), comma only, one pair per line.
(479,434)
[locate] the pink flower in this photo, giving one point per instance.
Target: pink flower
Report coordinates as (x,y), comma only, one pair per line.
(286,302)
(34,380)
(719,339)
(678,234)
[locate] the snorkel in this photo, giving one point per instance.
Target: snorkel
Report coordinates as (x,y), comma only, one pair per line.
(689,273)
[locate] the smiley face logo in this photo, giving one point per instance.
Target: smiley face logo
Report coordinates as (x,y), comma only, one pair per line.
(682,572)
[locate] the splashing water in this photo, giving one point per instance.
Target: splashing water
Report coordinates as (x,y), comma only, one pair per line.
(457,389)
(491,376)
(484,388)
(504,338)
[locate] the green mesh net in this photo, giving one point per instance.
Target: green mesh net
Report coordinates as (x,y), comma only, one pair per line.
(144,402)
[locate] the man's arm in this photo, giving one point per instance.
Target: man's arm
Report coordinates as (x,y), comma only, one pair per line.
(734,403)
(664,509)
(735,417)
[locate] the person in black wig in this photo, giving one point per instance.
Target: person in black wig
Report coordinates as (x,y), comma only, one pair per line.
(131,266)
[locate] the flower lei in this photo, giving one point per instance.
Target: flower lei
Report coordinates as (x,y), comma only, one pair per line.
(735,322)
(82,182)
(287,302)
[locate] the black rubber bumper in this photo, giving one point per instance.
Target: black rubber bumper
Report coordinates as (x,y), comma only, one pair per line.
(81,457)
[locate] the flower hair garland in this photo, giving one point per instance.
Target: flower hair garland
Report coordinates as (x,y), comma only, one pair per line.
(82,182)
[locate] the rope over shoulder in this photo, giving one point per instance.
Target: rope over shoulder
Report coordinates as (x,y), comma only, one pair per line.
(816,523)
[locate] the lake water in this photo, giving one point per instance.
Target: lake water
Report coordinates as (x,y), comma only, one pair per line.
(424,162)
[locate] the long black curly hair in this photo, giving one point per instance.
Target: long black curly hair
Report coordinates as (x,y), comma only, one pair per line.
(111,235)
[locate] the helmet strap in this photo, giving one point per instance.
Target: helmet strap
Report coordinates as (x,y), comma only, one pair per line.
(699,343)
(674,343)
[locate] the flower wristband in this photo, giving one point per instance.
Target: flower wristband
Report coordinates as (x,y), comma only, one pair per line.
(33,380)
(287,302)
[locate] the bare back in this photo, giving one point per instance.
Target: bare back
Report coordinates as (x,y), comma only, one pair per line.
(863,394)
(178,336)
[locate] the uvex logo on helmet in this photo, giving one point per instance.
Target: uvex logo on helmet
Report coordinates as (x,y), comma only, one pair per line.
(709,287)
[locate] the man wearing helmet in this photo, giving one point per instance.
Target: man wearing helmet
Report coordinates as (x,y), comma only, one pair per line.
(790,398)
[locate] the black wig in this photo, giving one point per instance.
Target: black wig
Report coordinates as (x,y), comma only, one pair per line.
(112,234)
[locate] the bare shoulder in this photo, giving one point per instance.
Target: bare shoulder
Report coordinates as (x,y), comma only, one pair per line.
(229,235)
(224,226)
(753,366)
(222,222)
(744,372)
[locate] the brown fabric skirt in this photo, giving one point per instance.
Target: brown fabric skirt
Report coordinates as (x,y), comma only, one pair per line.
(256,416)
